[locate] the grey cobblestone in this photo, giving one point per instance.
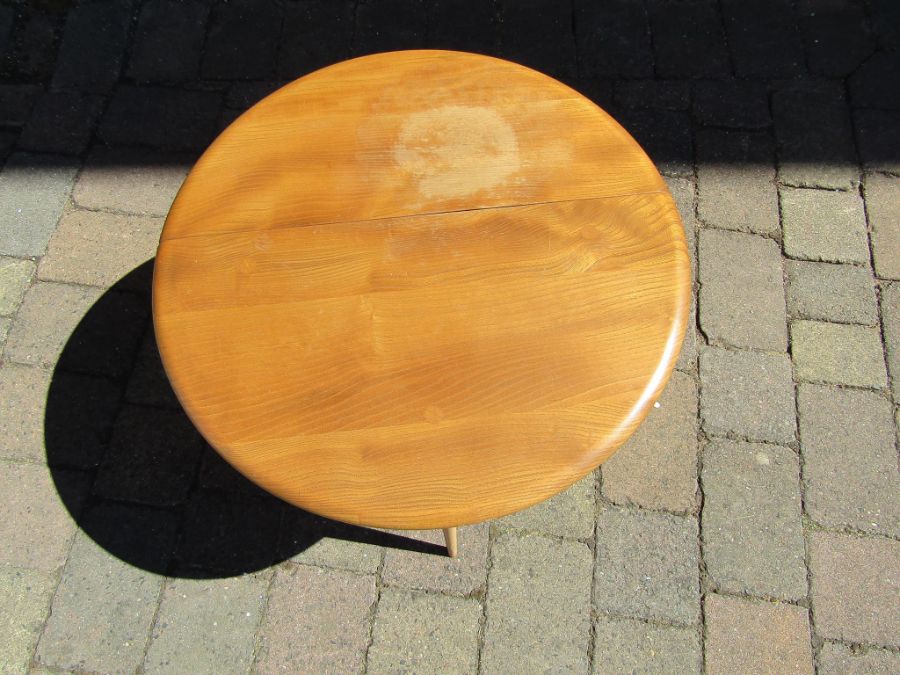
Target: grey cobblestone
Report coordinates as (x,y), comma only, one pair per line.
(102,613)
(538,606)
(33,189)
(424,633)
(239,42)
(647,566)
(657,466)
(855,584)
(838,659)
(61,122)
(317,548)
(763,38)
(631,646)
(15,277)
(883,208)
(850,463)
(738,104)
(841,293)
(878,139)
(16,101)
(890,311)
(747,393)
(752,532)
(627,53)
(835,36)
(741,291)
(824,225)
(866,85)
(753,637)
(320,34)
(658,94)
(207,626)
(23,392)
(168,41)
(24,602)
(703,56)
(838,353)
(567,514)
(316,620)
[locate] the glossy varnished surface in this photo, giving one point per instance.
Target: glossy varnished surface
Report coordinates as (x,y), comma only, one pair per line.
(420,289)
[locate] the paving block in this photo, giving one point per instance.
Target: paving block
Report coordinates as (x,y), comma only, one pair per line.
(102,613)
(815,138)
(567,514)
(15,277)
(540,37)
(866,85)
(471,27)
(647,566)
(703,55)
(130,180)
(752,530)
(855,585)
(24,601)
(657,466)
(835,35)
(763,39)
(312,540)
(683,191)
(391,24)
(168,41)
(838,353)
(736,181)
(424,633)
(5,325)
(207,626)
(16,101)
(61,122)
(631,646)
(837,659)
(742,291)
(241,41)
(890,312)
(458,576)
(149,385)
(824,225)
(317,620)
(850,463)
(657,94)
(883,207)
(538,606)
(878,139)
(746,393)
(840,293)
(736,104)
(316,34)
(751,636)
(98,249)
(152,458)
(625,52)
(34,189)
(665,135)
(35,526)
(32,54)
(161,117)
(93,46)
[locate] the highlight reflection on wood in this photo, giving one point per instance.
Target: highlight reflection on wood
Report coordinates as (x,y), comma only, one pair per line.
(420,290)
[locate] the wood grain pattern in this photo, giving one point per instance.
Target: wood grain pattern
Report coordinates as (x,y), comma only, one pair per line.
(420,290)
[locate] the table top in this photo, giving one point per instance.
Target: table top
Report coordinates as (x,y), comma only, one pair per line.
(420,289)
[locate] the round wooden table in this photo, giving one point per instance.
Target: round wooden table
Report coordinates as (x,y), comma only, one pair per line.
(420,289)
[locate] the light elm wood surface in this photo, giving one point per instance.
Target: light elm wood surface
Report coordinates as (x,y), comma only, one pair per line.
(420,290)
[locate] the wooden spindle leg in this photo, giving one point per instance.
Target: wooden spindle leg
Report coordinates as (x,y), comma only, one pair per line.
(450,539)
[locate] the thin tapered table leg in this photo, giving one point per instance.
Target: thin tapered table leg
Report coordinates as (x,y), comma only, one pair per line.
(450,539)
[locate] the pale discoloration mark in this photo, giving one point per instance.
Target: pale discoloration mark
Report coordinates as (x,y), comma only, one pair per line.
(455,151)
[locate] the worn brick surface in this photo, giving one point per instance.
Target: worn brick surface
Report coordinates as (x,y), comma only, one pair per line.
(747,393)
(538,606)
(762,38)
(838,353)
(24,601)
(424,633)
(824,225)
(130,180)
(625,52)
(567,514)
(168,41)
(741,291)
(316,620)
(101,614)
(838,659)
(98,249)
(841,293)
(61,122)
(835,35)
(890,310)
(702,56)
(752,533)
(23,392)
(461,576)
(310,540)
(647,566)
(207,626)
(657,466)
(33,189)
(5,323)
(631,646)
(883,208)
(878,139)
(751,636)
(855,585)
(850,462)
(15,276)
(815,138)
(738,104)
(735,181)
(665,135)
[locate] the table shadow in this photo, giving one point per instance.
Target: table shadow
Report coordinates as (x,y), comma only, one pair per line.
(141,482)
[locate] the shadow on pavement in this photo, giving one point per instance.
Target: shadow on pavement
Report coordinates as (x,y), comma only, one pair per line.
(156,495)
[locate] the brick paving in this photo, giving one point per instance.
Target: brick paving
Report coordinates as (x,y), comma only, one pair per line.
(752,523)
